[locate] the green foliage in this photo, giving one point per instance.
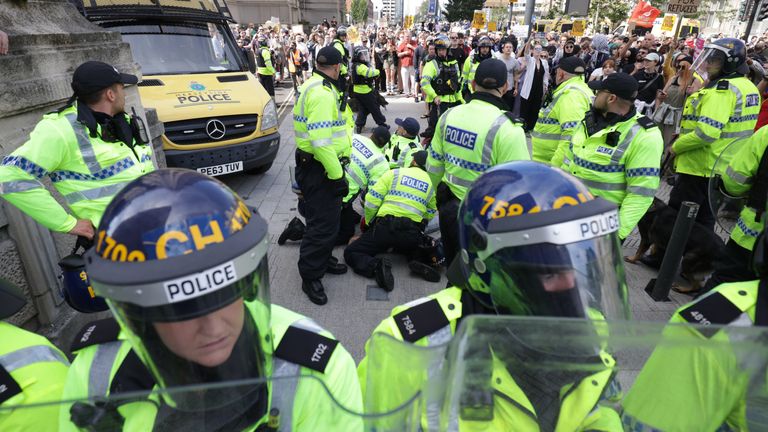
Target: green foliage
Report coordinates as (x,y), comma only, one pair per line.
(615,10)
(359,11)
(457,10)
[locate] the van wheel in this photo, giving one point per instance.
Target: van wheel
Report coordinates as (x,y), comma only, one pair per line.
(260,169)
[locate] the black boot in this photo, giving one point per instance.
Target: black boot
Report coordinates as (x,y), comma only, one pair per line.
(293,231)
(383,275)
(315,291)
(358,129)
(335,267)
(424,271)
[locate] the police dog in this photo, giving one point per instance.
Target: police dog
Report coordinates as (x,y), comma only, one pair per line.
(703,249)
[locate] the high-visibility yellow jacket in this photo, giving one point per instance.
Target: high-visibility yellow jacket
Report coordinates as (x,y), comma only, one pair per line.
(570,102)
(403,192)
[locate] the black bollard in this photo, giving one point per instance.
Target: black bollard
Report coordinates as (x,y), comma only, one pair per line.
(659,288)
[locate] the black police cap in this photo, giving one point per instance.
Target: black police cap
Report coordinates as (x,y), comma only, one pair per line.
(328,56)
(491,74)
(572,65)
(93,76)
(619,83)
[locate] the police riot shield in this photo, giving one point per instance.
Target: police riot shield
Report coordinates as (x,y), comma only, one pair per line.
(724,206)
(522,373)
(294,403)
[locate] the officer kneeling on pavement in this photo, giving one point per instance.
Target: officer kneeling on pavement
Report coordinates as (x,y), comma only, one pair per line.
(363,75)
(396,210)
(32,371)
(404,143)
(470,139)
(323,146)
(182,263)
(616,151)
(708,387)
(526,250)
(366,165)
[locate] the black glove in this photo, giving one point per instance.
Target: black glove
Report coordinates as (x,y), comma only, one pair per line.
(340,186)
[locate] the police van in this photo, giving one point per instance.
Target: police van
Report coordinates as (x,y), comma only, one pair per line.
(218,118)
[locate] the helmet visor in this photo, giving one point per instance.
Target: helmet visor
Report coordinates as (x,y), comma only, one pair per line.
(709,64)
(577,280)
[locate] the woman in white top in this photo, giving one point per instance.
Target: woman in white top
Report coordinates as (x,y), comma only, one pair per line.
(535,83)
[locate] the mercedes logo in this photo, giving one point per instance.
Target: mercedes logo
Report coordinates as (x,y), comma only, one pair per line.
(215,129)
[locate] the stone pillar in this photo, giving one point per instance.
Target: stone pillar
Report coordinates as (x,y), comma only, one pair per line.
(48,40)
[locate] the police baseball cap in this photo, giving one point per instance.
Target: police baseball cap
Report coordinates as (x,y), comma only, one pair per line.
(93,76)
(11,299)
(491,74)
(420,157)
(621,84)
(381,133)
(328,56)
(572,65)
(410,124)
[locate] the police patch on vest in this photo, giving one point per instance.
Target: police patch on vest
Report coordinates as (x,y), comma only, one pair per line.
(753,100)
(414,183)
(95,333)
(460,137)
(306,348)
(714,309)
(604,150)
(365,151)
(202,283)
(8,386)
(421,320)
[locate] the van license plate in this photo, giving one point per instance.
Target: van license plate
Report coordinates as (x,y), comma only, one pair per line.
(226,168)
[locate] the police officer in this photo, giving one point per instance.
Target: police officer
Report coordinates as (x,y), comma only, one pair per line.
(513,264)
(482,52)
(616,151)
(397,208)
(192,303)
(363,75)
(468,140)
(724,111)
(695,373)
(322,144)
(32,370)
(746,177)
(570,101)
(440,81)
(340,44)
(265,70)
(404,143)
(89,149)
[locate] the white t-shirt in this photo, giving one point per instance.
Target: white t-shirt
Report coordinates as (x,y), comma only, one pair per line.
(513,66)
(596,74)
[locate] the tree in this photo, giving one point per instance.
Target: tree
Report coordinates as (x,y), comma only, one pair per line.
(423,12)
(359,11)
(615,10)
(457,10)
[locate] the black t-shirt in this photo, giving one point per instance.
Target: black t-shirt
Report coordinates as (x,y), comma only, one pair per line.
(648,85)
(457,54)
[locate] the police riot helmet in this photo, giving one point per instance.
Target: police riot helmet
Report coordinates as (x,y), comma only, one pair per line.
(76,289)
(262,41)
(182,263)
(484,42)
(535,242)
(720,58)
(341,32)
(360,54)
(441,43)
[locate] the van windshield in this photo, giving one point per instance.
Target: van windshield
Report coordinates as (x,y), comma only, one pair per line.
(181,48)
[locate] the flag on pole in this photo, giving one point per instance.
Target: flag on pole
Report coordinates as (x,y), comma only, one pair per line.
(644,14)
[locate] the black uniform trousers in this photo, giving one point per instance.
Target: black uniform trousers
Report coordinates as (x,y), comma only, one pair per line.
(696,189)
(347,224)
(435,111)
(322,211)
(369,105)
(400,234)
(268,82)
(448,209)
(733,265)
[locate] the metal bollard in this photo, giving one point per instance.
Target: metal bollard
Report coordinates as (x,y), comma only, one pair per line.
(659,288)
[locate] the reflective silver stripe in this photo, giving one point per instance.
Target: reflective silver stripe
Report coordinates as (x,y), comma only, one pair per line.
(438,170)
(375,161)
(737,176)
(545,112)
(490,136)
(101,368)
(739,99)
(703,136)
(440,337)
(624,144)
(639,190)
(95,193)
(304,99)
(31,355)
(745,133)
(405,206)
(429,196)
(304,135)
(394,179)
(19,186)
(86,149)
(339,134)
(443,121)
(604,185)
(371,205)
(547,136)
(352,174)
(322,142)
(284,390)
(458,181)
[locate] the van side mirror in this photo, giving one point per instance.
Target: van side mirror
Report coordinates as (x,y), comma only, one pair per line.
(251,61)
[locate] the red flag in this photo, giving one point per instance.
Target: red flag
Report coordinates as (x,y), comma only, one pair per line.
(644,14)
